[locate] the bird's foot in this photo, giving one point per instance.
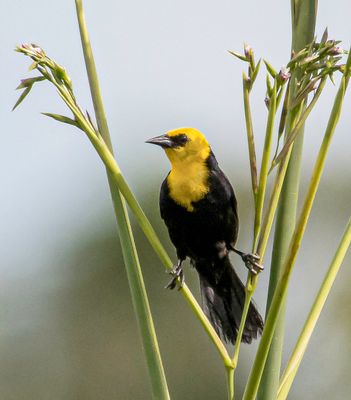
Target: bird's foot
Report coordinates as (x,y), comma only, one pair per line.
(251,261)
(176,272)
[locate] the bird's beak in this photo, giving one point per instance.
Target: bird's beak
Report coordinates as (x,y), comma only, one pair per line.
(164,141)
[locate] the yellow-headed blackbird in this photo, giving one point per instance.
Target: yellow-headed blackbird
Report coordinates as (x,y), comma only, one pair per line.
(199,207)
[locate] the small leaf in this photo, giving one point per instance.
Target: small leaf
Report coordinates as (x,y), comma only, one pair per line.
(19,49)
(309,60)
(33,66)
(284,113)
(22,97)
(312,45)
(297,56)
(331,77)
(269,86)
(29,82)
(92,123)
(325,35)
(255,72)
(62,118)
(270,69)
(235,54)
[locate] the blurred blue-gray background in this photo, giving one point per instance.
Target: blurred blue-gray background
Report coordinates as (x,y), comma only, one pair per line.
(67,329)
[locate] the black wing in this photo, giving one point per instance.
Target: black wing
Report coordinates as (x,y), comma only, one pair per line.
(221,196)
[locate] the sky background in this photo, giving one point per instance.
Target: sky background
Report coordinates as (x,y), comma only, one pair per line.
(67,325)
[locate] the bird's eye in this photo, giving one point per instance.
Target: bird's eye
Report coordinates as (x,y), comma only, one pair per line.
(180,140)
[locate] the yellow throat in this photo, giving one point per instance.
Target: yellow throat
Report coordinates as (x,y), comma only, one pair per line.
(188,179)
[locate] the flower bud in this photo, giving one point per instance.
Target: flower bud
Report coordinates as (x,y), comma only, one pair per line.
(284,74)
(335,51)
(248,51)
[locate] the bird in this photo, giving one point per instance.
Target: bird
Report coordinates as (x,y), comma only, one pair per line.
(199,208)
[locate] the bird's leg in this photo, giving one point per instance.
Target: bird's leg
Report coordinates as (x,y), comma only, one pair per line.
(176,272)
(250,261)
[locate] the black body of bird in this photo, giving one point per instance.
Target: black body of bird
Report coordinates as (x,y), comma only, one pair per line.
(198,205)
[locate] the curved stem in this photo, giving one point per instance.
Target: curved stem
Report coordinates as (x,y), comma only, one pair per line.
(130,255)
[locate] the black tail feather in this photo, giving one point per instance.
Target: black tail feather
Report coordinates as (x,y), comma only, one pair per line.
(223,297)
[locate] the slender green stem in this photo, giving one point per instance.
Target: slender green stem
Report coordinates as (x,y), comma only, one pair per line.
(272,207)
(130,255)
(306,333)
(230,383)
(265,164)
(281,288)
(249,291)
(250,136)
(261,248)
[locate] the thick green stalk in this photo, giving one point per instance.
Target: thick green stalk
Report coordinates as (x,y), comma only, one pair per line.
(130,255)
(282,286)
(303,26)
(306,333)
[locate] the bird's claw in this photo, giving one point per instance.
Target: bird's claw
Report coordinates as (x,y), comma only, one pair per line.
(251,263)
(176,272)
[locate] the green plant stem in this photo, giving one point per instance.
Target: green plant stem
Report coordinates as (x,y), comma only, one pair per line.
(250,288)
(265,165)
(261,248)
(272,206)
(230,383)
(250,136)
(251,283)
(281,288)
(303,15)
(305,335)
(130,255)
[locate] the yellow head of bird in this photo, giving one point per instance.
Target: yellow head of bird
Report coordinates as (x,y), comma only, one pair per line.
(183,145)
